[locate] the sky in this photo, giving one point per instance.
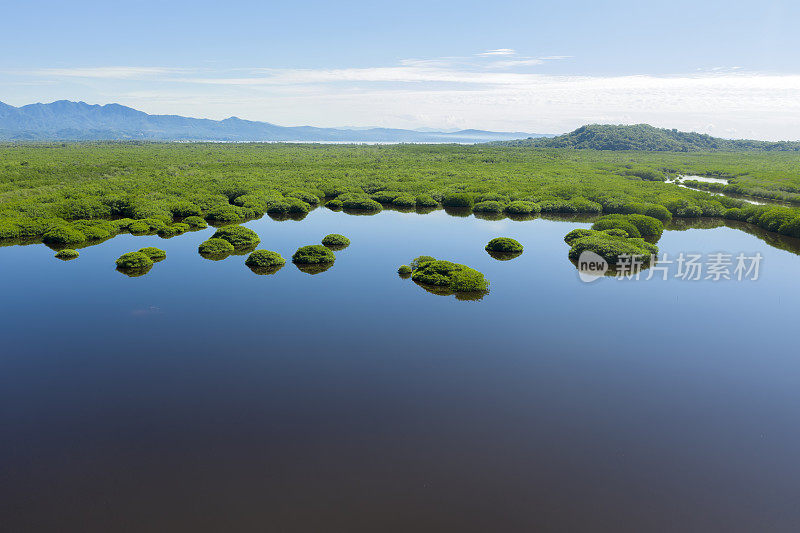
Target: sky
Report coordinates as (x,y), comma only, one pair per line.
(731,69)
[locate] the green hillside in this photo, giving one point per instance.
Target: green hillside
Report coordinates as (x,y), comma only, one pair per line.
(649,138)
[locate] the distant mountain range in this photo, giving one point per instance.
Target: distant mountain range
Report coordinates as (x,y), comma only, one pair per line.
(78,121)
(648,138)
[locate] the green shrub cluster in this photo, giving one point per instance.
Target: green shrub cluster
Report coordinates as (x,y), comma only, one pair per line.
(265,262)
(634,225)
(504,244)
(102,189)
(609,246)
(239,236)
(67,254)
(215,248)
(336,241)
(134,261)
(155,254)
(313,254)
(453,276)
(195,222)
(404,271)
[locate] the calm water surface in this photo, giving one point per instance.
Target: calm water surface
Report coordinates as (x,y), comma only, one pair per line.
(202,397)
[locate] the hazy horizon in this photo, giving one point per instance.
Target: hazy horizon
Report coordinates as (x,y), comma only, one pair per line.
(728,70)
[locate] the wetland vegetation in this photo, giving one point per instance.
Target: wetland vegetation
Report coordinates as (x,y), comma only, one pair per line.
(76,195)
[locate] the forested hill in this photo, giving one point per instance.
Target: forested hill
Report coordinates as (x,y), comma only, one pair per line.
(649,138)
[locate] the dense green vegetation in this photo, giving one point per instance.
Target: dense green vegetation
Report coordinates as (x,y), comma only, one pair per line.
(504,244)
(612,245)
(239,236)
(155,254)
(134,261)
(452,276)
(336,241)
(215,249)
(633,225)
(75,195)
(264,258)
(405,271)
(646,137)
(67,254)
(313,254)
(265,262)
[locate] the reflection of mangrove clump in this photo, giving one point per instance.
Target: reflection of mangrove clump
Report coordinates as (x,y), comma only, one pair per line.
(313,268)
(215,249)
(265,259)
(239,236)
(134,272)
(313,254)
(504,245)
(503,256)
(67,254)
(611,247)
(460,212)
(155,254)
(404,271)
(445,277)
(265,271)
(335,241)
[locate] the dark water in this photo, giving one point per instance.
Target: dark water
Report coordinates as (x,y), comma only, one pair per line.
(202,397)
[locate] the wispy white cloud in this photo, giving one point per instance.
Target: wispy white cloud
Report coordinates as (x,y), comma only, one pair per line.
(490,92)
(499,52)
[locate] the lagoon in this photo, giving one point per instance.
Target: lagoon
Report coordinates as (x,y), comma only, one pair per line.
(204,397)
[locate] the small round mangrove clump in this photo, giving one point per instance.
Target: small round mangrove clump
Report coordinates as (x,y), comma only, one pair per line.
(453,276)
(404,271)
(264,259)
(238,236)
(313,254)
(335,240)
(155,254)
(504,245)
(134,261)
(195,222)
(215,247)
(67,254)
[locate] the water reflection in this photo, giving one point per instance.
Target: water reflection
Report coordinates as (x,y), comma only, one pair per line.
(134,272)
(214,257)
(503,256)
(445,291)
(315,268)
(265,271)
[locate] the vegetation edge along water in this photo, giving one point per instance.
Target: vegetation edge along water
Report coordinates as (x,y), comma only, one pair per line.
(71,195)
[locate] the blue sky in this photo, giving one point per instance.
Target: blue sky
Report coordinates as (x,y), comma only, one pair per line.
(727,68)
